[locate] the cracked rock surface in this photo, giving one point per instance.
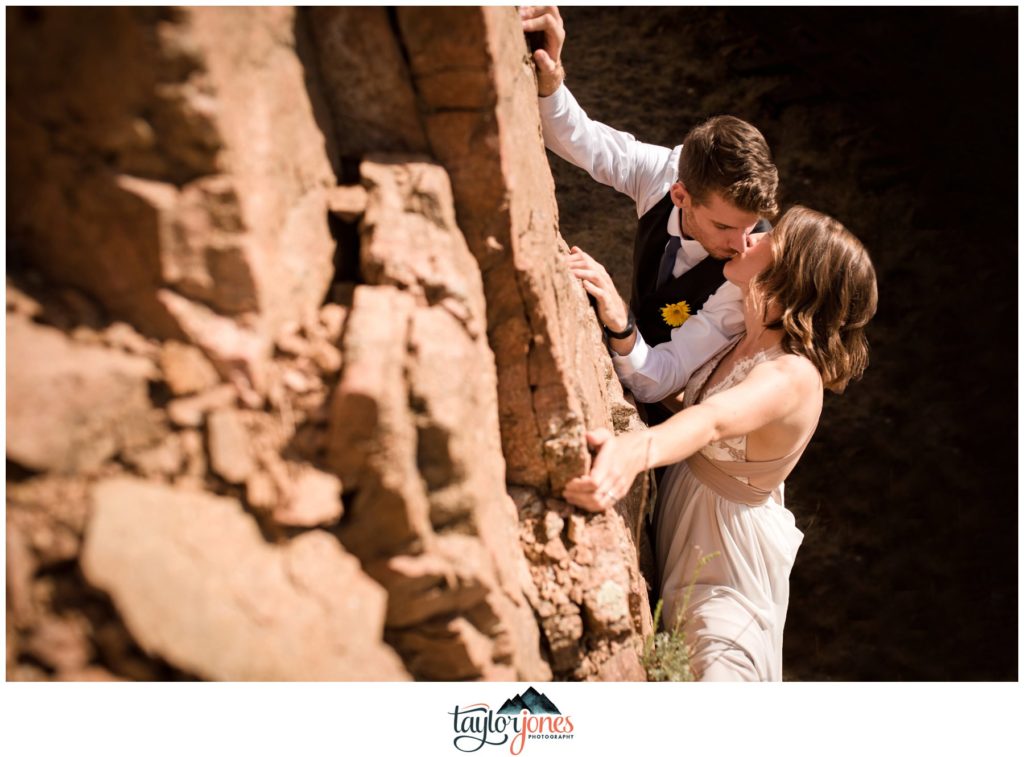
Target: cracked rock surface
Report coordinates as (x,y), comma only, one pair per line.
(296,368)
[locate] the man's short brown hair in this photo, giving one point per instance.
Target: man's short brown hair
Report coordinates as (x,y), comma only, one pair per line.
(729,156)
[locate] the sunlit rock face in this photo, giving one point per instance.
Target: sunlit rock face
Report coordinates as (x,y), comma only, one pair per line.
(296,368)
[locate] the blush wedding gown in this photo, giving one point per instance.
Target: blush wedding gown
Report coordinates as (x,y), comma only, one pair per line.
(736,609)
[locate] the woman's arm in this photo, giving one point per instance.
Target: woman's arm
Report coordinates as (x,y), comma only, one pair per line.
(772,392)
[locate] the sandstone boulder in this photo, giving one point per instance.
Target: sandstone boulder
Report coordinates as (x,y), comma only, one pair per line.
(69,406)
(228,441)
(372,443)
(185,369)
(411,239)
(45,515)
(314,500)
(197,585)
(214,172)
(189,412)
(275,151)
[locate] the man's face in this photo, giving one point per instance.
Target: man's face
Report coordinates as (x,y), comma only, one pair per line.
(721,228)
(743,268)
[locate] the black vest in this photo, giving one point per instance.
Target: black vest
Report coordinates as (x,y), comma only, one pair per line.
(694,287)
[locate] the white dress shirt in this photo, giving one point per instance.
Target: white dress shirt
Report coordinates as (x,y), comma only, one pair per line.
(645,173)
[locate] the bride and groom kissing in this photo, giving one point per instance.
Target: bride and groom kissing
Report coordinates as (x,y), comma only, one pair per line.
(734,329)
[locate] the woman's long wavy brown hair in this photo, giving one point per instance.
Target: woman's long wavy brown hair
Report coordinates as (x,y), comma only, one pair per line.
(822,280)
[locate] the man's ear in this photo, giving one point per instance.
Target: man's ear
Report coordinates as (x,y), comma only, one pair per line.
(680,197)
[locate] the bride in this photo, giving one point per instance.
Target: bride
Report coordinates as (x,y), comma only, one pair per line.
(808,292)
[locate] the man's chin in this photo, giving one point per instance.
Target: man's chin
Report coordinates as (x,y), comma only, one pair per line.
(722,254)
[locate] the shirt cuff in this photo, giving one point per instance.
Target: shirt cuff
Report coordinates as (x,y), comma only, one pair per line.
(626,365)
(554,102)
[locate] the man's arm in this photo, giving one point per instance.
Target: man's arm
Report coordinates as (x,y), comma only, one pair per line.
(615,158)
(653,373)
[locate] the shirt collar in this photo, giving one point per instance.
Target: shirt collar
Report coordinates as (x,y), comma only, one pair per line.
(675,229)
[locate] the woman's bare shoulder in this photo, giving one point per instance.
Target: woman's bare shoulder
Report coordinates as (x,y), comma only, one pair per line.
(794,370)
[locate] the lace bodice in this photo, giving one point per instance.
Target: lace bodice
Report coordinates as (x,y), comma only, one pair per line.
(698,391)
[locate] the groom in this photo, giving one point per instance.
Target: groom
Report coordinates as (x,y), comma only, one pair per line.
(697,203)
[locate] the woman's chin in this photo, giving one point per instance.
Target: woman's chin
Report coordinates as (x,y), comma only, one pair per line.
(727,271)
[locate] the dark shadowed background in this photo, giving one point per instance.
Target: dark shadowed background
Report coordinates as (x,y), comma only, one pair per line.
(902,123)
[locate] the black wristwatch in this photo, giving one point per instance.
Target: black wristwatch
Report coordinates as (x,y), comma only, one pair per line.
(625,334)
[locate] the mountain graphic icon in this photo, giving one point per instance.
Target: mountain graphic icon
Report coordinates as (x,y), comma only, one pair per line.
(532,701)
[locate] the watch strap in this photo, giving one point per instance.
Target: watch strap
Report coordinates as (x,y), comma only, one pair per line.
(627,332)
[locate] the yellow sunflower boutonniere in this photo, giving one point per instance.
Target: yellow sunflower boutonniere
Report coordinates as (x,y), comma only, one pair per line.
(676,315)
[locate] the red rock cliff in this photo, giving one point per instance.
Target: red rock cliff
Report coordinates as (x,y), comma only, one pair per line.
(296,368)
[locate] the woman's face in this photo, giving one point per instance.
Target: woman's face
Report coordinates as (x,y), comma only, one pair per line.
(741,269)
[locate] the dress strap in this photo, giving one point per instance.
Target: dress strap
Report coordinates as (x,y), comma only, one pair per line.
(721,475)
(711,474)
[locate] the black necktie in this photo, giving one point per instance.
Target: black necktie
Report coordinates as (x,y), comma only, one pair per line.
(668,260)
